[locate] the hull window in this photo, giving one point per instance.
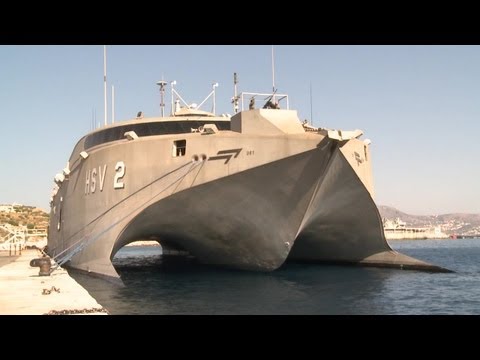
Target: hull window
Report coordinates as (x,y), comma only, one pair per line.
(179,148)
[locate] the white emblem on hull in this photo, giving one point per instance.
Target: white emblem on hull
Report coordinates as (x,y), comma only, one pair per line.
(95,178)
(117,181)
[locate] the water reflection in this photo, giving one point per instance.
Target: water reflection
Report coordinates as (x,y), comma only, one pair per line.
(156,285)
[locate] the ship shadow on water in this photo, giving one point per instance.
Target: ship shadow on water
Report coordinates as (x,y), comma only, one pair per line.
(156,284)
(180,285)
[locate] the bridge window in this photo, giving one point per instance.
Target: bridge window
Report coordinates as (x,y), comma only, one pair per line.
(179,148)
(150,129)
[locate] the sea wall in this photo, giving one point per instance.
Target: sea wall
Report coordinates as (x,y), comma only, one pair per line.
(414,235)
(24,292)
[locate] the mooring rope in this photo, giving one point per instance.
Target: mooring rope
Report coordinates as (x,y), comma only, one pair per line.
(65,255)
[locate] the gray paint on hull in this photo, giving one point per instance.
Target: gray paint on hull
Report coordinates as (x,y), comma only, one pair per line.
(342,222)
(246,221)
(250,220)
(245,214)
(343,225)
(102,233)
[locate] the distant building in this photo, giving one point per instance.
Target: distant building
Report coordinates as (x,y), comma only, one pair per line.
(397,230)
(6,208)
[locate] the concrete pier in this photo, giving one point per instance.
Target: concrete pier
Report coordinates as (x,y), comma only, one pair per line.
(24,292)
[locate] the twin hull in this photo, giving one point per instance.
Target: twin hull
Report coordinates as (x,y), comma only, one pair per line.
(238,200)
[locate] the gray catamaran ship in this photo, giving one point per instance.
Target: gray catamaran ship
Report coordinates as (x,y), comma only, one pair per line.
(249,191)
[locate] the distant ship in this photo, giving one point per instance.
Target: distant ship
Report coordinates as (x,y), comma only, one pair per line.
(398,230)
(250,191)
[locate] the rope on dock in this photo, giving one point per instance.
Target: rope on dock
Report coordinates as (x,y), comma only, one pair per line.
(64,256)
(77,311)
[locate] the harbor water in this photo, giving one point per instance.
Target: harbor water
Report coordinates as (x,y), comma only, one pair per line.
(176,285)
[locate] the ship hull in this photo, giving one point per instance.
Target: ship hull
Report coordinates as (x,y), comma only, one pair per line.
(242,212)
(343,225)
(230,198)
(246,221)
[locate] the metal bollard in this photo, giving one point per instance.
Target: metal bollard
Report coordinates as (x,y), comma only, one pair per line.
(45,267)
(44,264)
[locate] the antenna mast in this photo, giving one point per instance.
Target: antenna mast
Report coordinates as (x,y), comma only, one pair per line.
(172,84)
(311,105)
(273,76)
(273,71)
(113,104)
(215,85)
(105,82)
(162,84)
(235,96)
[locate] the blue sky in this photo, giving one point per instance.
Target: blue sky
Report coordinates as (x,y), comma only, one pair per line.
(418,104)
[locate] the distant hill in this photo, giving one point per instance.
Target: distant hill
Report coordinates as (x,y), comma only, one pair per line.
(456,223)
(23,215)
(411,220)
